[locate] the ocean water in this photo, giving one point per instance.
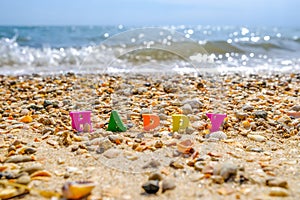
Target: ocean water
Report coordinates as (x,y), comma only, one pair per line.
(110,49)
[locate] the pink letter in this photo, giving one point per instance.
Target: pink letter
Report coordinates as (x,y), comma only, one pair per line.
(216,120)
(81,118)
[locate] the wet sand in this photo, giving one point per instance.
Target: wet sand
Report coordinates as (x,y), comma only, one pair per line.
(254,156)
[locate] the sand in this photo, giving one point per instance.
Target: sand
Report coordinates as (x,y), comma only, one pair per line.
(255,156)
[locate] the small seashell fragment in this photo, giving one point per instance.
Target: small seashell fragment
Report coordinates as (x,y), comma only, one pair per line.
(185,146)
(26,119)
(77,189)
(278,192)
(40,175)
(257,138)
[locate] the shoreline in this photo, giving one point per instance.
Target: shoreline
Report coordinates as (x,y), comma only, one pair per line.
(258,147)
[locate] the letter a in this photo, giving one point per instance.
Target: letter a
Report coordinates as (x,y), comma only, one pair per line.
(151,121)
(216,121)
(180,122)
(115,123)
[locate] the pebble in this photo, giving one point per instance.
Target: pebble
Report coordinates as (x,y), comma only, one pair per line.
(190,130)
(158,144)
(18,159)
(196,177)
(296,108)
(111,153)
(194,103)
(104,145)
(168,184)
(247,107)
(155,176)
(276,182)
(254,149)
(278,192)
(25,179)
(257,138)
(220,135)
(115,139)
(208,169)
(217,179)
(241,115)
(198,165)
(176,165)
(47,103)
(152,164)
(187,109)
(32,168)
(227,170)
(151,187)
(260,114)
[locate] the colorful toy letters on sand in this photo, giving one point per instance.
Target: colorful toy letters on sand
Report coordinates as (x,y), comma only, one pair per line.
(151,121)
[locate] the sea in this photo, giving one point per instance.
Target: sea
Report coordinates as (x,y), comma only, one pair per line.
(162,49)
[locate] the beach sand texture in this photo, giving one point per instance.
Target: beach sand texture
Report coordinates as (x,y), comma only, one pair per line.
(254,156)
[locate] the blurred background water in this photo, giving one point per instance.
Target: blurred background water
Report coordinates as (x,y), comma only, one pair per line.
(56,49)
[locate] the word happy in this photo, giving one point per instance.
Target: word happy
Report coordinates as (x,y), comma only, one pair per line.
(150,121)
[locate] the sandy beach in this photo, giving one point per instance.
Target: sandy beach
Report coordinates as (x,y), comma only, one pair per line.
(255,155)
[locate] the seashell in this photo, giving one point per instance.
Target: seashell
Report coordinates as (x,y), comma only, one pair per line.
(185,146)
(294,114)
(77,189)
(19,158)
(8,193)
(3,168)
(40,175)
(26,119)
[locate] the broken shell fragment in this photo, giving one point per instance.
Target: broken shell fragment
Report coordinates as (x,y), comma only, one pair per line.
(185,146)
(77,189)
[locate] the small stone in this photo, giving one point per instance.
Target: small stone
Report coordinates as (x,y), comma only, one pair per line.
(241,115)
(158,144)
(152,164)
(227,170)
(163,116)
(260,114)
(115,139)
(29,150)
(32,168)
(246,124)
(276,182)
(74,148)
(176,165)
(257,138)
(278,192)
(168,185)
(217,179)
(190,130)
(18,159)
(169,88)
(25,179)
(47,103)
(151,187)
(194,103)
(199,165)
(155,176)
(247,107)
(208,169)
(220,135)
(187,109)
(296,108)
(197,177)
(254,149)
(104,145)
(24,112)
(111,153)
